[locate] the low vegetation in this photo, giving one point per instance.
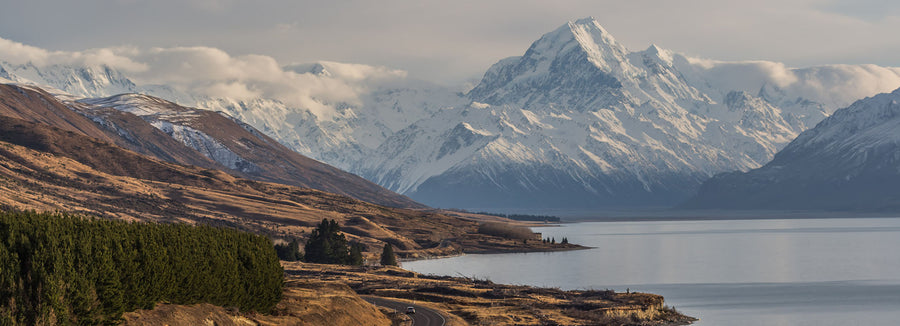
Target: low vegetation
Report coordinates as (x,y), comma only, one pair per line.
(505,230)
(524,217)
(474,301)
(59,269)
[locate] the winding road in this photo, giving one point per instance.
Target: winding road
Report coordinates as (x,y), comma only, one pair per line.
(422,317)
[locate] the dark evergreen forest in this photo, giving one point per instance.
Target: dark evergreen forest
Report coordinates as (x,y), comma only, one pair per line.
(71,270)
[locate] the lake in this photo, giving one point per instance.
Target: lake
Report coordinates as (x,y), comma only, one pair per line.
(725,272)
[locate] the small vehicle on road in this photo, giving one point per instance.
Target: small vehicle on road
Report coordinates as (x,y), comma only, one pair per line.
(410,310)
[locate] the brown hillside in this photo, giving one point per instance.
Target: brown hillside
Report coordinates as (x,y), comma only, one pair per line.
(306,302)
(265,158)
(35,105)
(275,162)
(46,169)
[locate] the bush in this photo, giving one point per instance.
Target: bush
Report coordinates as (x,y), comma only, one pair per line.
(508,231)
(63,269)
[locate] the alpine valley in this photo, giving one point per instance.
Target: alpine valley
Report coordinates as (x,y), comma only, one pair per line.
(577,122)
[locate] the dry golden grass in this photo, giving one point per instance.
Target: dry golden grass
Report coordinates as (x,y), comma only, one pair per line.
(481,302)
(34,180)
(306,302)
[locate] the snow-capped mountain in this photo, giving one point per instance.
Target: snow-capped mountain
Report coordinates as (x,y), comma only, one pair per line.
(577,121)
(232,144)
(84,81)
(849,161)
(350,133)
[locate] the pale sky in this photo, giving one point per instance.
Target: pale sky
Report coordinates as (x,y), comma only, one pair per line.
(453,41)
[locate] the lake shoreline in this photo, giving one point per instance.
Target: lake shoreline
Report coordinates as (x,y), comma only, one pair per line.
(675,216)
(481,301)
(827,271)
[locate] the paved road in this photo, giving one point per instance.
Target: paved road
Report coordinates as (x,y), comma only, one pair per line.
(422,317)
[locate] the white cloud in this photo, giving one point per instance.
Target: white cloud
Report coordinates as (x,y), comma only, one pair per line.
(213,72)
(836,86)
(208,71)
(18,53)
(451,41)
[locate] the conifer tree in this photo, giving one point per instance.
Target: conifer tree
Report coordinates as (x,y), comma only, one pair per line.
(356,257)
(62,269)
(387,256)
(327,245)
(289,251)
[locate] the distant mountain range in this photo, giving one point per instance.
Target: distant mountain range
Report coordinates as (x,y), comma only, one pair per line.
(850,161)
(182,135)
(53,158)
(577,122)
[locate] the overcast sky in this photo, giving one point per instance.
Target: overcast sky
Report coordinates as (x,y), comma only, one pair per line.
(451,41)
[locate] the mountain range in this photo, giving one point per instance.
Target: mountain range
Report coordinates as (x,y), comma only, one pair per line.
(848,162)
(577,122)
(53,158)
(176,134)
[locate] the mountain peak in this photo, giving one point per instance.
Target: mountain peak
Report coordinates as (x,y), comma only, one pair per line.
(316,68)
(577,59)
(588,23)
(588,32)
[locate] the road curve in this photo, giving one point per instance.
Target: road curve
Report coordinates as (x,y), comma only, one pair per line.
(422,317)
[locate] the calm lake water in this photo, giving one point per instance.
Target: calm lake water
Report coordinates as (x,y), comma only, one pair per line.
(726,272)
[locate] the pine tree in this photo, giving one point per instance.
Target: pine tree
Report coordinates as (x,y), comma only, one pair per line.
(60,269)
(356,257)
(387,256)
(289,251)
(327,245)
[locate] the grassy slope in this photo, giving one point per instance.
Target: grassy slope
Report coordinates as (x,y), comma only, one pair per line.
(481,302)
(104,180)
(47,169)
(307,302)
(276,162)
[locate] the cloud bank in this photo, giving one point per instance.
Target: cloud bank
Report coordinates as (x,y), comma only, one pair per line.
(321,86)
(451,41)
(211,72)
(835,86)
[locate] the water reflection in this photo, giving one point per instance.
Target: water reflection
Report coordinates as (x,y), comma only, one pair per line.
(746,272)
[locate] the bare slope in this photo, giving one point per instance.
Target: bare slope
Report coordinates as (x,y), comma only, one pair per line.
(189,136)
(46,168)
